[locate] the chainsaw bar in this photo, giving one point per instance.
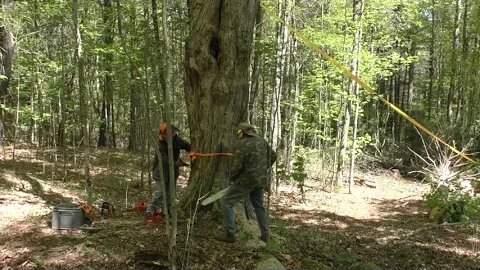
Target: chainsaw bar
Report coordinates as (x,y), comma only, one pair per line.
(215,196)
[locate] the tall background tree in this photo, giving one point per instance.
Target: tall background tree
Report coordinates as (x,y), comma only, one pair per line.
(83,97)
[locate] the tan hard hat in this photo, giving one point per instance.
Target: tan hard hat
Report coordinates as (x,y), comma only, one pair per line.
(247,128)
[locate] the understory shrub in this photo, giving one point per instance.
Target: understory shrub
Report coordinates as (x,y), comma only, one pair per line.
(446,205)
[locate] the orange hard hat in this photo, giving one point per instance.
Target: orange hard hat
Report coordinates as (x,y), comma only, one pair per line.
(163,128)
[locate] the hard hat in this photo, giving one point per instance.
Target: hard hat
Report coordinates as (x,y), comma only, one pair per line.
(247,128)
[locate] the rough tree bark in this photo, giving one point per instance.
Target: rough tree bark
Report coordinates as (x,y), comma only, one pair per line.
(217,58)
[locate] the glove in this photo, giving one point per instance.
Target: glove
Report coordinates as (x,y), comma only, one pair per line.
(192,156)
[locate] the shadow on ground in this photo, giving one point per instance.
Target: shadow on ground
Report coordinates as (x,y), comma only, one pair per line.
(27,242)
(402,239)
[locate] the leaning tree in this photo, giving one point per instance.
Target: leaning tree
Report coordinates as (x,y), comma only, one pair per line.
(217,58)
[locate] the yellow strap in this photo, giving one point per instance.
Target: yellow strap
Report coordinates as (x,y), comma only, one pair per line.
(365,86)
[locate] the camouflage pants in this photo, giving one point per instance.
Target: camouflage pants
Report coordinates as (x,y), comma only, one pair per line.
(237,193)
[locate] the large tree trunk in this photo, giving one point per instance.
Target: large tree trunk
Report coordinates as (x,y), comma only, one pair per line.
(217,57)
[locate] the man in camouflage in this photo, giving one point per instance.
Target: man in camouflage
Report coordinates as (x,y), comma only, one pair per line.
(250,176)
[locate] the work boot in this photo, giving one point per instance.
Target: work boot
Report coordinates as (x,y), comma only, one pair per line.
(226,237)
(265,238)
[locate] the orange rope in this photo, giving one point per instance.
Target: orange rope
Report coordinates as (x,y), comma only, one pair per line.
(194,155)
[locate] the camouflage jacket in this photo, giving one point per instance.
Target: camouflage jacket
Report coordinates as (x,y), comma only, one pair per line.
(252,161)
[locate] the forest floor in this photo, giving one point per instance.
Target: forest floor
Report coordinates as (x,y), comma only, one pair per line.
(387,225)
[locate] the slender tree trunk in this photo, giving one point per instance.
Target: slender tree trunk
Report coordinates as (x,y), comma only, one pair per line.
(159,63)
(289,94)
(461,113)
(358,9)
(33,122)
(107,130)
(295,100)
(441,78)
(134,108)
(325,124)
(171,224)
(431,62)
(454,62)
(83,97)
(343,129)
(42,126)
(397,120)
(146,124)
(276,108)
(264,106)
(287,87)
(276,118)
(409,87)
(343,124)
(17,117)
(255,76)
(62,109)
(474,93)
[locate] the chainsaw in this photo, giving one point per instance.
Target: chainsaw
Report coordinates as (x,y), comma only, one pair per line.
(215,196)
(220,195)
